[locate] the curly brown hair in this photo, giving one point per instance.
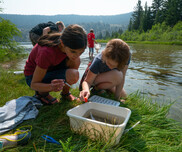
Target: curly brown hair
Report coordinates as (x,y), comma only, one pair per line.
(117,50)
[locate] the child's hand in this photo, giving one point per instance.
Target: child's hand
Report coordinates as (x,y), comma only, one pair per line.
(122,100)
(84,95)
(57,84)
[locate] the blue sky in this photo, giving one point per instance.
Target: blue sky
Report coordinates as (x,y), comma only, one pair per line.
(80,7)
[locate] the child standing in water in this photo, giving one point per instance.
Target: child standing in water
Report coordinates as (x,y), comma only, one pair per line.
(91,40)
(108,70)
(54,61)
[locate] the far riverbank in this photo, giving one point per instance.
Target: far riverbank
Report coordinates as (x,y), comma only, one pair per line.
(147,42)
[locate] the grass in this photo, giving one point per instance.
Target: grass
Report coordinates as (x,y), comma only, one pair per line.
(147,42)
(155,133)
(157,42)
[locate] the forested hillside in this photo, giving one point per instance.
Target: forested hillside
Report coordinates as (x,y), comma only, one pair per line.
(162,21)
(31,20)
(102,25)
(168,11)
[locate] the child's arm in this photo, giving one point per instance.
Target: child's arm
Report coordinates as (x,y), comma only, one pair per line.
(118,91)
(37,84)
(46,30)
(87,83)
(119,88)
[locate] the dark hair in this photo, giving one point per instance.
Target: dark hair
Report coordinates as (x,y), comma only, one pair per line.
(73,36)
(52,39)
(91,30)
(119,51)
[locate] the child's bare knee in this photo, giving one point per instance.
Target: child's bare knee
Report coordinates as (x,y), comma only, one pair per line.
(75,78)
(118,76)
(72,76)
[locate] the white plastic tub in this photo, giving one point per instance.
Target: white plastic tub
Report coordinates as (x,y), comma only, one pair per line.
(109,123)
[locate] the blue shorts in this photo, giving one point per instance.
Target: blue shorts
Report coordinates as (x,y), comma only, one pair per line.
(57,72)
(91,50)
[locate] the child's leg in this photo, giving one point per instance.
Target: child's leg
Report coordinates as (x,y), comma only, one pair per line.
(123,92)
(108,80)
(43,94)
(72,76)
(90,52)
(50,75)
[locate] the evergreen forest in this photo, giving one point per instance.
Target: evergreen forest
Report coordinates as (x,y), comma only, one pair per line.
(160,22)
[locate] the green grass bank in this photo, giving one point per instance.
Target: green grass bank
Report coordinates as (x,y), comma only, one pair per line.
(147,42)
(155,133)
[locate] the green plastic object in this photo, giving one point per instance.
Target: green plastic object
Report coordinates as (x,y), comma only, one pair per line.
(1,145)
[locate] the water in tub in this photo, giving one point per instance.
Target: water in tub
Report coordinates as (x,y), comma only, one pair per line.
(104,117)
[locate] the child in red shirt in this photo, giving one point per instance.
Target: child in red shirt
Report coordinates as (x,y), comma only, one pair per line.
(54,61)
(91,40)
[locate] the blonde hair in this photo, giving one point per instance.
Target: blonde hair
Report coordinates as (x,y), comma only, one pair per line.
(60,23)
(118,51)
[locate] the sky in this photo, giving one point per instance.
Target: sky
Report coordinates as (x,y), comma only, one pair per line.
(79,7)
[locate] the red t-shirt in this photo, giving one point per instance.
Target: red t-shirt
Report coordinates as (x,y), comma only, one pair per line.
(43,56)
(90,38)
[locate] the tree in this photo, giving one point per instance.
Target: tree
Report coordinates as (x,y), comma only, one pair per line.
(100,35)
(114,35)
(8,47)
(130,25)
(173,11)
(147,18)
(120,31)
(157,11)
(7,31)
(137,16)
(107,35)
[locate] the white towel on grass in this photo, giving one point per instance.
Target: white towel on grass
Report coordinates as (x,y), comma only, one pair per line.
(16,111)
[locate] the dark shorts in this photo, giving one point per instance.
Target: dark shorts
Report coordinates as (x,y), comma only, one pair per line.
(57,72)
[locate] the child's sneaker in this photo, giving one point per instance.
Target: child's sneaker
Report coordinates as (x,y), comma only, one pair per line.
(20,137)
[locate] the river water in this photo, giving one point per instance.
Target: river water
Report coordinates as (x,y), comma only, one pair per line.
(155,71)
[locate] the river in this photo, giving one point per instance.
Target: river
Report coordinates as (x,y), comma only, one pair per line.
(155,71)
